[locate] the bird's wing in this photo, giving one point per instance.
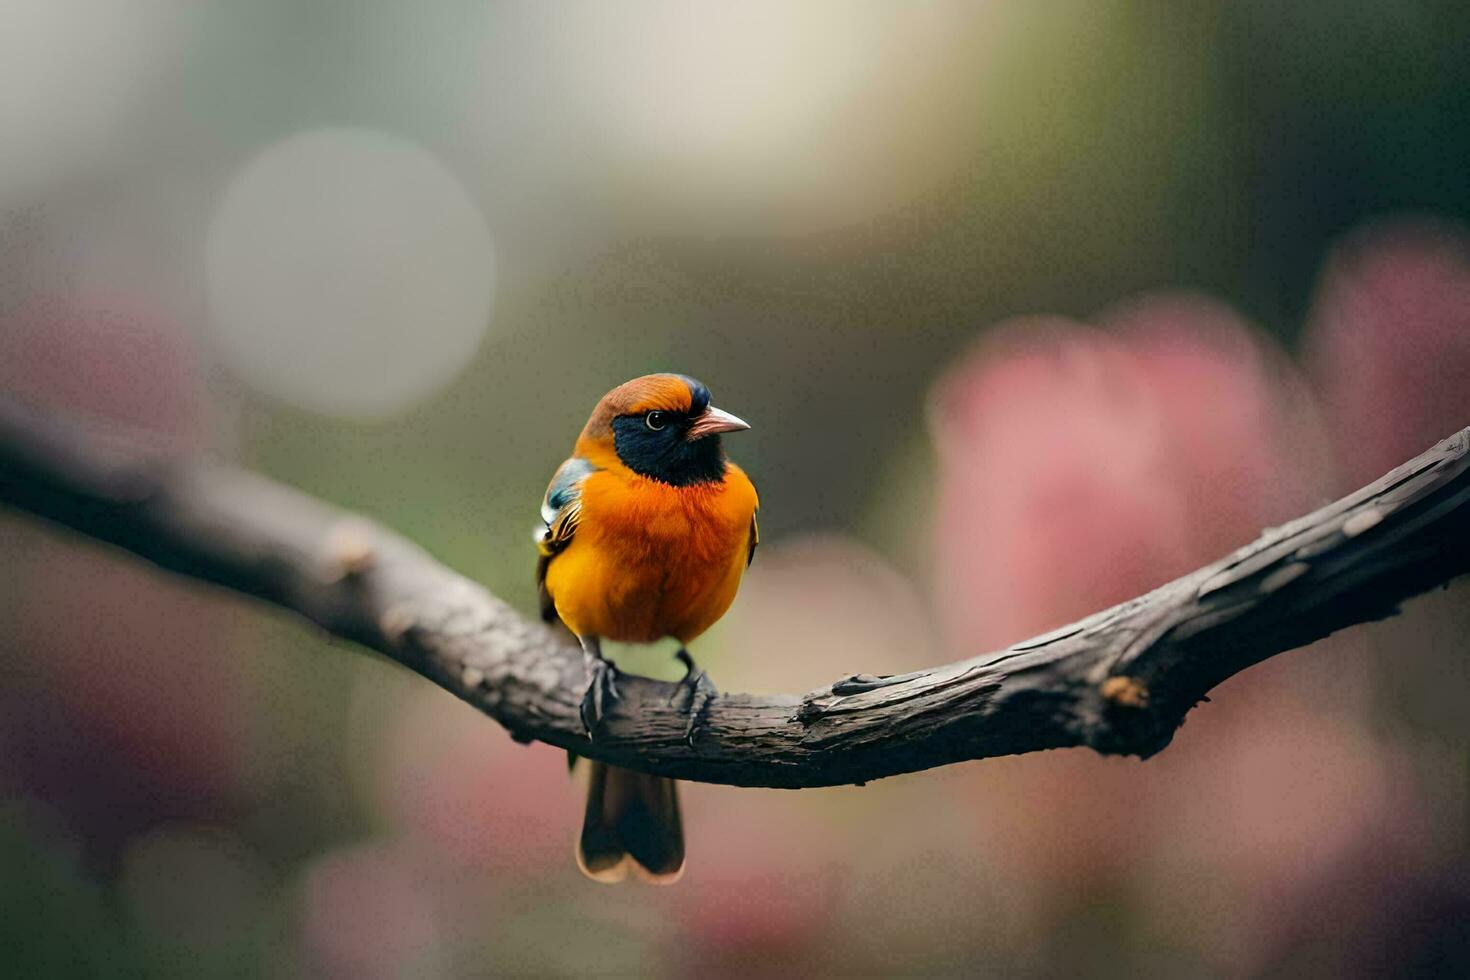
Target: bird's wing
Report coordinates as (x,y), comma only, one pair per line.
(561,509)
(755,538)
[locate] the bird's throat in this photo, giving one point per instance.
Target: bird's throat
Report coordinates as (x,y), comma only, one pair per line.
(677,462)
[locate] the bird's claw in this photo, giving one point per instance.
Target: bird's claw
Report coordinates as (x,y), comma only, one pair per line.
(701,692)
(602,691)
(698,691)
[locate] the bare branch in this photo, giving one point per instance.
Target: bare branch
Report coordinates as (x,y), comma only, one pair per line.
(1120,681)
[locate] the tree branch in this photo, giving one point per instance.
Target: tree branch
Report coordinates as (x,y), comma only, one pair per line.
(1119,681)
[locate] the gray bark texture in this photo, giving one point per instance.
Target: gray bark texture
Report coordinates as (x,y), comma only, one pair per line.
(1119,681)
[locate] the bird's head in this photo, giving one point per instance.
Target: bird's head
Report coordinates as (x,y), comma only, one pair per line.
(661,426)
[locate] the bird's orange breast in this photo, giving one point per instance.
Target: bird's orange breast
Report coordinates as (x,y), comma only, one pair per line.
(651,560)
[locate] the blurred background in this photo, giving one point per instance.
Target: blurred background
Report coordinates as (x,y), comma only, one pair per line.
(1032,306)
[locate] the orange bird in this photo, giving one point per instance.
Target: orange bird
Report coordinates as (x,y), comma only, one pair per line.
(647,531)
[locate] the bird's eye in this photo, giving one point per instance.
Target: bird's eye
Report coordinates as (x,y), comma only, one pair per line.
(656,420)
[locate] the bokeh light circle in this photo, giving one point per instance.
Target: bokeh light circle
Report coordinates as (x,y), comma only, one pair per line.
(349,273)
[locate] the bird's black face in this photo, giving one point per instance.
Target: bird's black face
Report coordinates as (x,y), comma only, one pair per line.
(656,445)
(678,447)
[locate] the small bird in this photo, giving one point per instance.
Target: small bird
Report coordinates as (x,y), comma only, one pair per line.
(647,530)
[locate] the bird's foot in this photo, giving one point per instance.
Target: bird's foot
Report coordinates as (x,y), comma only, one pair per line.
(698,691)
(602,691)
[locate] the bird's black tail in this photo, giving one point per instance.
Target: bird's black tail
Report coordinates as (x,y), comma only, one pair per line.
(632,820)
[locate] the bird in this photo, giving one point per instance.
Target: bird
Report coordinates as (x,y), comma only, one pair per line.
(646,531)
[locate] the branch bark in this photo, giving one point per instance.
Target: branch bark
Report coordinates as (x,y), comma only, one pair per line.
(1120,681)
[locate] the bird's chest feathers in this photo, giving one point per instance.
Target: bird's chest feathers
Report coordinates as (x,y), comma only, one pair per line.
(673,527)
(651,560)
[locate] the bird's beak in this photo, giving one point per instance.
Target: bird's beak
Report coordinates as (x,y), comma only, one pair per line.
(713,421)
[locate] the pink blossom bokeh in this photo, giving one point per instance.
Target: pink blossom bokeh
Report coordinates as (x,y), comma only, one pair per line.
(1387,343)
(1080,465)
